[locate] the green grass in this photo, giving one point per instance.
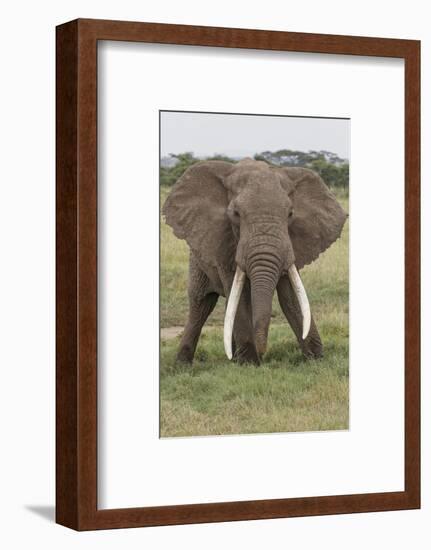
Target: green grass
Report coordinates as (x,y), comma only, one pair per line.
(287,393)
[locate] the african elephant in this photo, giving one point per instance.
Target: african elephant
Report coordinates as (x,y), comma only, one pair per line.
(250,227)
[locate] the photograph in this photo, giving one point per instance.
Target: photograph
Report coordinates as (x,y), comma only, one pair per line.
(254,273)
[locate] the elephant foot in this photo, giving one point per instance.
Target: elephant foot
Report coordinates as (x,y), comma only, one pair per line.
(312,348)
(247,354)
(184,356)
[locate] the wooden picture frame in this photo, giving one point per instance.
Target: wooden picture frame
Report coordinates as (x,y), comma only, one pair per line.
(76,248)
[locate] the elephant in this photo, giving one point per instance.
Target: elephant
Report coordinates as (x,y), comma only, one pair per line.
(251,226)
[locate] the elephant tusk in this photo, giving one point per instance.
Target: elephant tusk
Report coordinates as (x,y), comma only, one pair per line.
(232,306)
(300,293)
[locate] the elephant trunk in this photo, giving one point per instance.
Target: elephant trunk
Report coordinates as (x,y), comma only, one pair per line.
(264,275)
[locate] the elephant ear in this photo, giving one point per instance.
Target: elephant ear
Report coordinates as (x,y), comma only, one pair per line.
(196,211)
(318,217)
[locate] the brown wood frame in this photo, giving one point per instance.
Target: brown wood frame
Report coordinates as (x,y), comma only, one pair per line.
(76,373)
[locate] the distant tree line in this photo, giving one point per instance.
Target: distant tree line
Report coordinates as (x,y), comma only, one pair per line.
(333,169)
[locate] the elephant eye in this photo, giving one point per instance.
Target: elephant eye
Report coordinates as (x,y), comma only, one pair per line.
(291,213)
(233,214)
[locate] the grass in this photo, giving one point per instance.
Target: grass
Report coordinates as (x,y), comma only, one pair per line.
(287,393)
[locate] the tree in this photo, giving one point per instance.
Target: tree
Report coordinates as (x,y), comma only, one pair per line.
(333,170)
(333,175)
(168,176)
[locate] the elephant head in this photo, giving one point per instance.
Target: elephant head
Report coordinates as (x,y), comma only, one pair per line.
(258,221)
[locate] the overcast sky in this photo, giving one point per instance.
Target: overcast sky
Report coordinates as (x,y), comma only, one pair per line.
(205,134)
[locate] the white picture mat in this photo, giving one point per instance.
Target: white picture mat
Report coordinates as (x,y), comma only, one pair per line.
(135,467)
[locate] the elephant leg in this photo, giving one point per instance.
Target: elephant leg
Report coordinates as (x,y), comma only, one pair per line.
(243,336)
(202,301)
(199,311)
(312,346)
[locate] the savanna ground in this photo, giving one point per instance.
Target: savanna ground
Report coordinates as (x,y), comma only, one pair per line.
(286,393)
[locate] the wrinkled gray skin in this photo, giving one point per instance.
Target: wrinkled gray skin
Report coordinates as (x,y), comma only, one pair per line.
(262,218)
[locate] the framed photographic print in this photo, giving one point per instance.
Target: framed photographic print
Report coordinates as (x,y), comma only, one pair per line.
(237,274)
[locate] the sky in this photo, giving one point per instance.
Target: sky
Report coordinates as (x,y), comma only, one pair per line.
(206,134)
